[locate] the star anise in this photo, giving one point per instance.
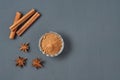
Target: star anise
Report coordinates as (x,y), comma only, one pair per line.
(20,61)
(24,47)
(37,63)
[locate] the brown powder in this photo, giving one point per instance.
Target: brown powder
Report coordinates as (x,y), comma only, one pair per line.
(51,43)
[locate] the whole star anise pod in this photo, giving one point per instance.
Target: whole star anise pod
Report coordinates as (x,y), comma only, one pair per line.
(24,47)
(37,63)
(20,61)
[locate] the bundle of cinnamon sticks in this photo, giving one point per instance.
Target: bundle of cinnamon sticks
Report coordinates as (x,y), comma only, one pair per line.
(28,19)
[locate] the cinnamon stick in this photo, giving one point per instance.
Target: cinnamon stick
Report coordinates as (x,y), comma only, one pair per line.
(17,17)
(27,24)
(22,20)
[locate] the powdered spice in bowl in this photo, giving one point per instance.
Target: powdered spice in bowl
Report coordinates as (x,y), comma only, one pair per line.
(51,44)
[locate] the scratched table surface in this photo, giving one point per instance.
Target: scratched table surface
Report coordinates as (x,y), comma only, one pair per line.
(91,32)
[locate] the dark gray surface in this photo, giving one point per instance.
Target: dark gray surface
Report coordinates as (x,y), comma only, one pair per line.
(91,31)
